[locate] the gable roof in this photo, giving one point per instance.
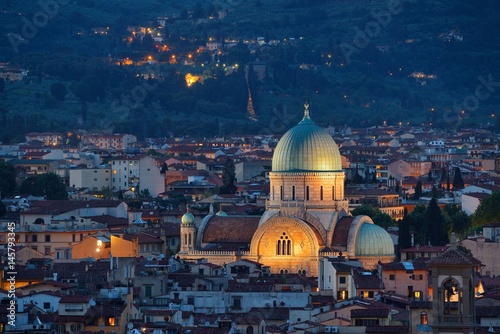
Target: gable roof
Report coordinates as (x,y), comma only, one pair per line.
(231,229)
(454,257)
(54,207)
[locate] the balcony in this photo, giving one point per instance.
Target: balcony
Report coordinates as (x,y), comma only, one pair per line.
(451,319)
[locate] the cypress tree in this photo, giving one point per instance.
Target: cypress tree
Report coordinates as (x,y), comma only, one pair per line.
(458,182)
(418,190)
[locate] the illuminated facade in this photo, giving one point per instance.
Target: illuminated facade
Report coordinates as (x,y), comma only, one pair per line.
(306,214)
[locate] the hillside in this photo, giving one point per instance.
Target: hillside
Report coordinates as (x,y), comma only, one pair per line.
(359,63)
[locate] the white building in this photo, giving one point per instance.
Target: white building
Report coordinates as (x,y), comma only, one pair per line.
(137,173)
(94,178)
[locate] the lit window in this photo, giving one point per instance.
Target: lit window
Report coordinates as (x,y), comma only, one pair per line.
(423,318)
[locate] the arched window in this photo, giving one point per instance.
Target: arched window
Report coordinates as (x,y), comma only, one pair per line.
(189,238)
(185,239)
(281,193)
(307,193)
(273,193)
(321,193)
(333,193)
(451,294)
(249,330)
(423,318)
(293,193)
(284,245)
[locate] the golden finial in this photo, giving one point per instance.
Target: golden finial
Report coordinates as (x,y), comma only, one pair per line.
(306,110)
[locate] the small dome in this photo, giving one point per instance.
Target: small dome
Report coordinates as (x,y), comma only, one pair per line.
(306,148)
(221,213)
(373,240)
(187,218)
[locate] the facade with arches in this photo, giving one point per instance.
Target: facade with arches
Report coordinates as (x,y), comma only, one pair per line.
(452,308)
(306,214)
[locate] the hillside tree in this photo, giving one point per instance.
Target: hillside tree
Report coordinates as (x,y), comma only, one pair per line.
(7,180)
(58,91)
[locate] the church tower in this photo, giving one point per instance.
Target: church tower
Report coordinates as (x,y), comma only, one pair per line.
(188,232)
(453,306)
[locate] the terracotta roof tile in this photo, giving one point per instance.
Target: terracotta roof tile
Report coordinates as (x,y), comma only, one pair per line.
(75,299)
(363,281)
(454,257)
(370,313)
(143,238)
(172,229)
(341,232)
(57,207)
(231,229)
(110,221)
(386,329)
(488,311)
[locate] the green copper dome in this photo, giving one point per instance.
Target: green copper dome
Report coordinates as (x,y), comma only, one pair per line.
(306,148)
(373,240)
(187,218)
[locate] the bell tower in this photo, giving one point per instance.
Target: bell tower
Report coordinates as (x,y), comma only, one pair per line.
(453,300)
(188,232)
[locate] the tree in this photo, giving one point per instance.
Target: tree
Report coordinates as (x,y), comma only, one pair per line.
(418,190)
(58,91)
(106,192)
(148,43)
(229,178)
(488,211)
(49,185)
(443,174)
(382,219)
(7,179)
(164,168)
(2,84)
(3,209)
(435,224)
(429,175)
(404,240)
(435,192)
(458,182)
(144,194)
(417,217)
(379,218)
(358,179)
(198,11)
(364,210)
(460,222)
